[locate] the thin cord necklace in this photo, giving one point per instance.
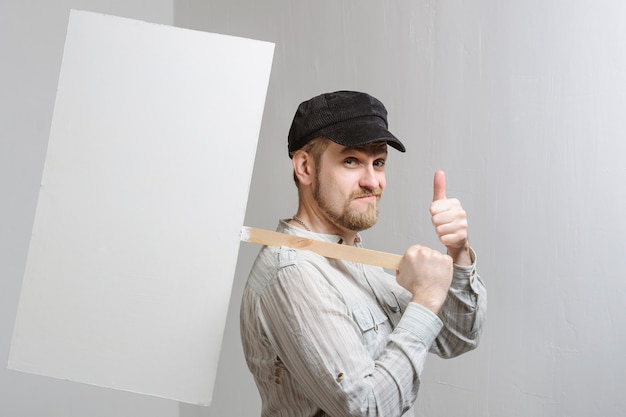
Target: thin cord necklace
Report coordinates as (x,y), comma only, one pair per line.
(299,220)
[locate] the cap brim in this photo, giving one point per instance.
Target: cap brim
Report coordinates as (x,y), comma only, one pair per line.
(361,132)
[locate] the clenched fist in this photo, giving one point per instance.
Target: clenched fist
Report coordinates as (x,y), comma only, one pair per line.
(426,274)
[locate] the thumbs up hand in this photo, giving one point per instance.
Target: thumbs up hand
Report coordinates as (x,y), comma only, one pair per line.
(450,221)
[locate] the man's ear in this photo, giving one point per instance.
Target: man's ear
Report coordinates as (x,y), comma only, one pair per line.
(303,167)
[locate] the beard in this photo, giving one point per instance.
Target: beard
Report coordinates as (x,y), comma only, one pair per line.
(343,214)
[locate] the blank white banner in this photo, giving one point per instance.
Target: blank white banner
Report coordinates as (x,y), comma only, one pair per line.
(144,191)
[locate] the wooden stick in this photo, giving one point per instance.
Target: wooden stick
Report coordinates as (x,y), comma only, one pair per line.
(326,249)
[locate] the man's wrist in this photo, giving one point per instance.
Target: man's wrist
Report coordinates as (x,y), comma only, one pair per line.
(461,256)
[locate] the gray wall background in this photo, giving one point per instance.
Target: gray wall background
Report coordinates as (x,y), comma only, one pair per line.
(520,102)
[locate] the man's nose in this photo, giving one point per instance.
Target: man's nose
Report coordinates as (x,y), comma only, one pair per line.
(369,178)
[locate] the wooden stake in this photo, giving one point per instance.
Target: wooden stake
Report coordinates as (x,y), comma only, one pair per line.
(326,249)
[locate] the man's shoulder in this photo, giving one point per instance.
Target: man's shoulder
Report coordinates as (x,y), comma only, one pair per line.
(273,263)
(272,259)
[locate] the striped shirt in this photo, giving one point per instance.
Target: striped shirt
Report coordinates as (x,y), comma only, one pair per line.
(325,337)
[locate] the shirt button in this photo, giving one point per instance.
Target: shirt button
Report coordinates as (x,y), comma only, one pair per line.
(340,376)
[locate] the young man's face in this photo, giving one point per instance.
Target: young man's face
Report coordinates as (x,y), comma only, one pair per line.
(349,182)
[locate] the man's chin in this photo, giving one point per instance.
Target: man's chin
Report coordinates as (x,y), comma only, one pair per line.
(361,222)
(363,227)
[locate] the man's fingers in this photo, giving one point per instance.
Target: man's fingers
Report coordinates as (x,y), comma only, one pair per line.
(439,186)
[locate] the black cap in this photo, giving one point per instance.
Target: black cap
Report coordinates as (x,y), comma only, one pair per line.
(349,118)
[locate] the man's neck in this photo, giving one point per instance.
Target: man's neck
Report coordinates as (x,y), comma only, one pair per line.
(317,224)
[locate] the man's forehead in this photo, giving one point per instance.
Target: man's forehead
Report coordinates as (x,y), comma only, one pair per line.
(373,147)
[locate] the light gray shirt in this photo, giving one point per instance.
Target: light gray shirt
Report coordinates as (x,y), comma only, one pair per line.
(325,337)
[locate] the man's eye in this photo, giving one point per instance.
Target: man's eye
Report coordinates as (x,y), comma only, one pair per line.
(380,163)
(349,161)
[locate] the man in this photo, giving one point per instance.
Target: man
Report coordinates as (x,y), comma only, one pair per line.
(326,337)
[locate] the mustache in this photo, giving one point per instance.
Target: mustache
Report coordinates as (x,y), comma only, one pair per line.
(367,193)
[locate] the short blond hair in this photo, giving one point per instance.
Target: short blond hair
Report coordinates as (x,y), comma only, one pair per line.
(315,148)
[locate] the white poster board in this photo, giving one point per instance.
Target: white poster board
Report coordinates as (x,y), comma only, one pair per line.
(144,191)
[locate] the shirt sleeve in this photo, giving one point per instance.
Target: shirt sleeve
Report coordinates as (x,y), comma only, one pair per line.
(315,336)
(463,313)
